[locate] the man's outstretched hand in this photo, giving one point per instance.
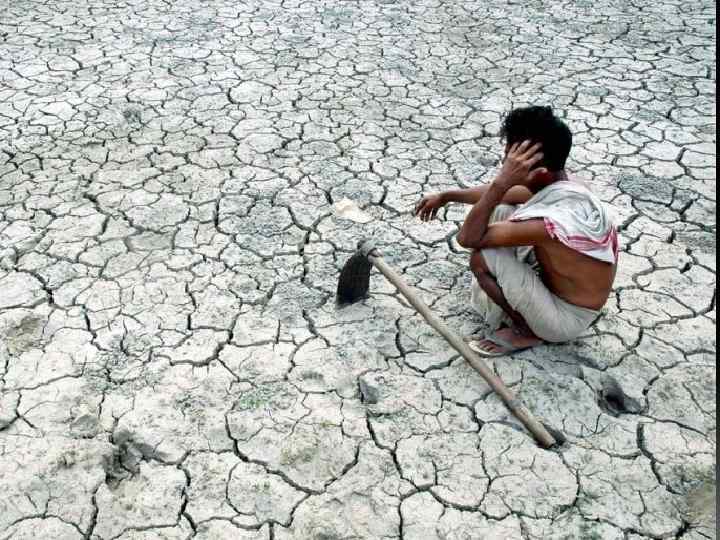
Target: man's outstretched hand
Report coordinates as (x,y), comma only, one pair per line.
(429,206)
(518,164)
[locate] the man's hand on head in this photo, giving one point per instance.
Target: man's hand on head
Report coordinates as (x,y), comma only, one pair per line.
(517,168)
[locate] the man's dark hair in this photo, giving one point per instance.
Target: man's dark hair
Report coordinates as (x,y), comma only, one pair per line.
(540,125)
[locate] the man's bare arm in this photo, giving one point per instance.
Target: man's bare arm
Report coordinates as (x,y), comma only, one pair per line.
(515,233)
(476,223)
(429,206)
(515,195)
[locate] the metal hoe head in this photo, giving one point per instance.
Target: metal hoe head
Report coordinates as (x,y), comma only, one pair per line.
(354,282)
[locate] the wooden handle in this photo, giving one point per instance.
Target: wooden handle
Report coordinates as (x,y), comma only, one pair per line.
(516,407)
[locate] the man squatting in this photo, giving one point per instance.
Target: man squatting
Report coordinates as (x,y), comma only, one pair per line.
(544,248)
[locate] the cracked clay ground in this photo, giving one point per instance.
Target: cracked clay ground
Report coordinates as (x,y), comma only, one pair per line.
(172,363)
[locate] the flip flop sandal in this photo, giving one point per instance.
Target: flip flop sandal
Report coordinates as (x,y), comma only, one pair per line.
(479,336)
(500,342)
(473,337)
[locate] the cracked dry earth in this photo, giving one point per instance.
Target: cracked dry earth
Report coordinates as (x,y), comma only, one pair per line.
(172,364)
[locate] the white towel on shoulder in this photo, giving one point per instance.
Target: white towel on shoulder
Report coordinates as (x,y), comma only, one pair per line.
(576,217)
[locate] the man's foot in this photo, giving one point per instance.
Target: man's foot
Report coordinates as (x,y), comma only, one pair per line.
(504,342)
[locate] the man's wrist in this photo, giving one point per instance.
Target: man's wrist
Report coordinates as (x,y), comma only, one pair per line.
(500,185)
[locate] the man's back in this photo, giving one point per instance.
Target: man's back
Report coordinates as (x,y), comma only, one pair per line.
(576,278)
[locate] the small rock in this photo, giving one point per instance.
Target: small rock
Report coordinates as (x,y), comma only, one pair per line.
(370,393)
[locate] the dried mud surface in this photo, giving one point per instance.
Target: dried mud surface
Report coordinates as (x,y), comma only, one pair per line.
(172,364)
